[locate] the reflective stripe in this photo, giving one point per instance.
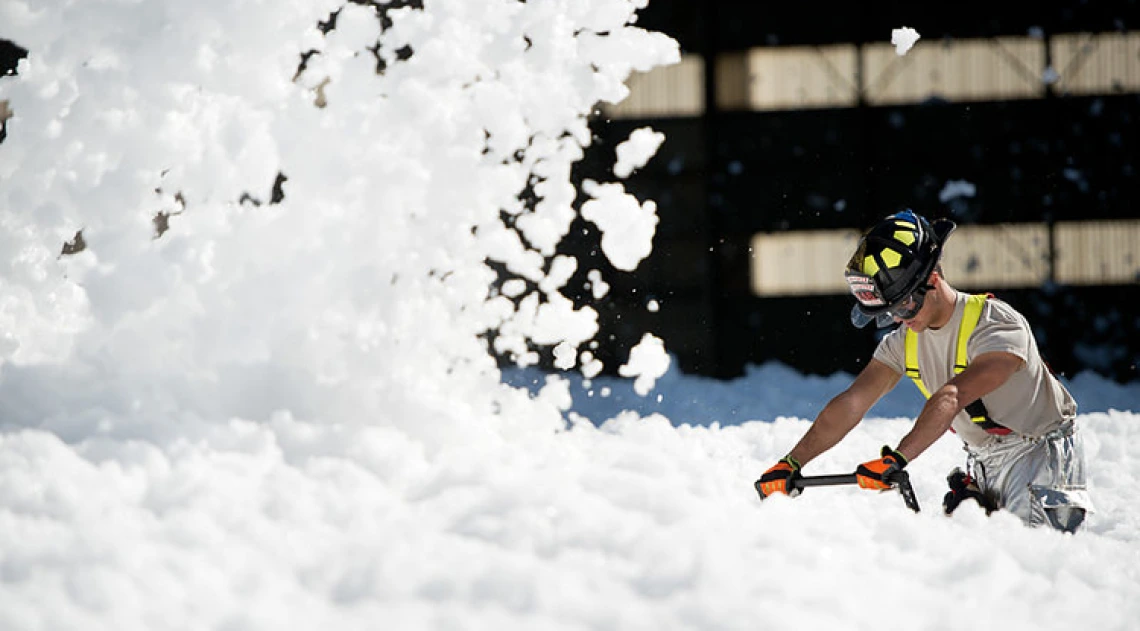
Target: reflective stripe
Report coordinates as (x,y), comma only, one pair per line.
(970,318)
(912,362)
(977,410)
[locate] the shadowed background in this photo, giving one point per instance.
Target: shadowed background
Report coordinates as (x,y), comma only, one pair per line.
(1017,120)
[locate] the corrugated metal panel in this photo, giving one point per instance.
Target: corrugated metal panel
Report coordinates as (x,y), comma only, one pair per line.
(1097,64)
(826,76)
(956,70)
(992,257)
(801,77)
(801,263)
(1098,252)
(664,92)
(979,257)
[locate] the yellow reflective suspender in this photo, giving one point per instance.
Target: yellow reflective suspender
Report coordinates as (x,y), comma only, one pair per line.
(912,362)
(970,318)
(977,410)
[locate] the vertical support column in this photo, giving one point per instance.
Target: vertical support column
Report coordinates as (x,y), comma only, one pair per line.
(715,362)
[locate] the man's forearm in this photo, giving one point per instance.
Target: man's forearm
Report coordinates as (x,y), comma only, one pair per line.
(832,424)
(931,423)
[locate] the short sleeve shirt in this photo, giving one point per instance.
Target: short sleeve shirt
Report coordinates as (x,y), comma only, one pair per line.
(1031,402)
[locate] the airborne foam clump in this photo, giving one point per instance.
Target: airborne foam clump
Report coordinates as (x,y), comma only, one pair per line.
(637,150)
(648,361)
(903,39)
(627,225)
(955,189)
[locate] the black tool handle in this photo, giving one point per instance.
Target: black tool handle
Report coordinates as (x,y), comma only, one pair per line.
(822,480)
(898,479)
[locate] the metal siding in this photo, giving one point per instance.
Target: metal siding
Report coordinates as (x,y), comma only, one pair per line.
(1098,252)
(664,92)
(958,70)
(803,77)
(1097,63)
(998,256)
(801,263)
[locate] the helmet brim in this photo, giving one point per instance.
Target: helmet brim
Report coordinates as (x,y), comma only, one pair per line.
(942,229)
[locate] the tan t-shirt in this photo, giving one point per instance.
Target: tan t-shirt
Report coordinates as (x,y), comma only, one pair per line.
(1032,402)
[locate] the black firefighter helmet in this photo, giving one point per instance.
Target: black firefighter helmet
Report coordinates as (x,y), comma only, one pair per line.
(892,263)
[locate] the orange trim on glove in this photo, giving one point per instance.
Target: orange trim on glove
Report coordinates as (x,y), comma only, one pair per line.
(875,474)
(775,480)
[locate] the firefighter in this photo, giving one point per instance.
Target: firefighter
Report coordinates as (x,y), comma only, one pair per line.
(975,359)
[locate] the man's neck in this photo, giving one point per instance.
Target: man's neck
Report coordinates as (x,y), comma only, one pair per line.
(947,300)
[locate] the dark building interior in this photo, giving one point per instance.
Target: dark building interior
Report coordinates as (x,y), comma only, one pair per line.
(723,176)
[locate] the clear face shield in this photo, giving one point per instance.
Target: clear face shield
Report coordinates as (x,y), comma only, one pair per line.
(861,319)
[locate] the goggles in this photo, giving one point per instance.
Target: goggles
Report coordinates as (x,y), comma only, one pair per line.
(911,305)
(872,305)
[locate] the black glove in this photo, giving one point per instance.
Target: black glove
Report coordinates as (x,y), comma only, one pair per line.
(964,487)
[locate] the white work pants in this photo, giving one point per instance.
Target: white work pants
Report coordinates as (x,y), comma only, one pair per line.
(1041,480)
